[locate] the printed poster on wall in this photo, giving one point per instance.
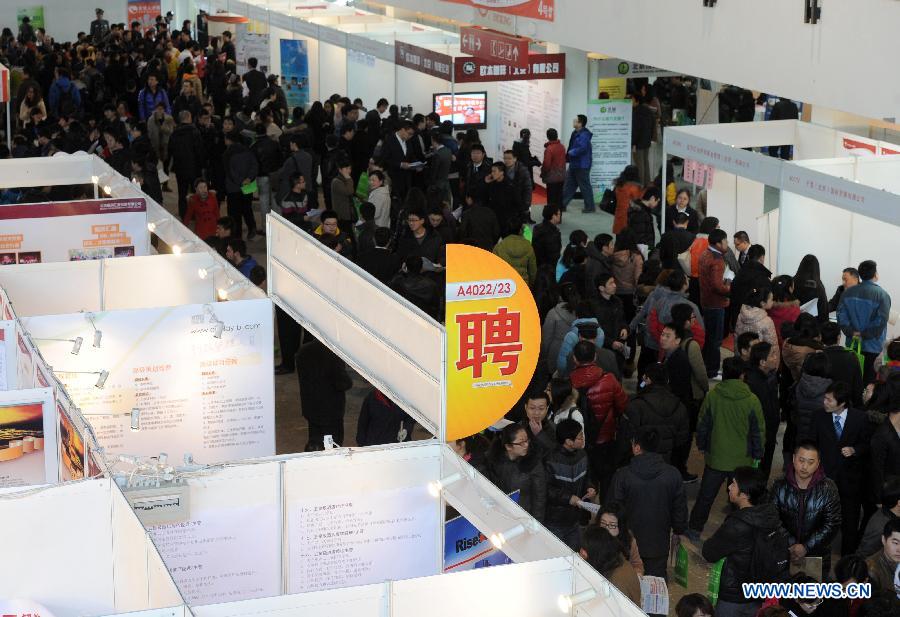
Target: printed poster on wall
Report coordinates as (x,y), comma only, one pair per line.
(535,9)
(362,538)
(223,554)
(27,438)
(210,397)
(535,105)
(466,548)
(295,72)
(71,448)
(610,123)
(73,231)
(493,339)
(144,11)
(34,13)
(251,40)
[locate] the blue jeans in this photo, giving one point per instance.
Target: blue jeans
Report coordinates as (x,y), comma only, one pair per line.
(714,321)
(578,179)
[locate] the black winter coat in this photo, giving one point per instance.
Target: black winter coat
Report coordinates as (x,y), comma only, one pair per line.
(324,382)
(186,151)
(642,221)
(885,456)
(752,275)
(268,155)
(844,366)
(808,290)
(567,475)
(812,517)
(734,540)
(547,243)
(380,421)
(656,407)
(808,394)
(653,495)
(525,475)
(479,227)
(765,388)
(611,315)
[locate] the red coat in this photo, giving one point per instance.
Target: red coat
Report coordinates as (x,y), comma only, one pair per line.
(714,291)
(553,168)
(656,328)
(204,212)
(605,396)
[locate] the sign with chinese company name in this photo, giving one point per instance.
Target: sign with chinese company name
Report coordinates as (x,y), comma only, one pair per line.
(494,46)
(698,173)
(616,67)
(540,66)
(493,339)
(423,60)
(534,9)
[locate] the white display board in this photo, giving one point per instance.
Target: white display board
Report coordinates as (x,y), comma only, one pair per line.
(210,397)
(610,124)
(347,527)
(108,284)
(65,557)
(28,438)
(392,344)
(251,40)
(533,104)
(230,547)
(73,231)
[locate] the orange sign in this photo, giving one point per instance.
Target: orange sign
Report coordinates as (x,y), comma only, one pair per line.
(493,339)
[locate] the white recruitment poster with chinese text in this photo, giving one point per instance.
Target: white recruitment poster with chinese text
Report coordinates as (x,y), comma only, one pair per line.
(223,554)
(610,124)
(198,394)
(493,339)
(362,538)
(252,41)
(73,231)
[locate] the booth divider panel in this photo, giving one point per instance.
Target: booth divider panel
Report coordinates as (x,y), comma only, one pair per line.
(53,288)
(158,280)
(363,601)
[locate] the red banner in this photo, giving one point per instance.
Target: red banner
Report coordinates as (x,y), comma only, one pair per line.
(540,66)
(423,60)
(494,46)
(144,11)
(535,9)
(853,144)
(72,208)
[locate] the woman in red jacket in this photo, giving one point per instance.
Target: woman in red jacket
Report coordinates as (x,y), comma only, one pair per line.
(203,209)
(553,169)
(628,188)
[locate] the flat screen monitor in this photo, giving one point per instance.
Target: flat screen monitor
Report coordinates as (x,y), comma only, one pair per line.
(468,110)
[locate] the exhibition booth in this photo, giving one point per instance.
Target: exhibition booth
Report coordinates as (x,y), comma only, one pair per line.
(839,198)
(332,49)
(78,549)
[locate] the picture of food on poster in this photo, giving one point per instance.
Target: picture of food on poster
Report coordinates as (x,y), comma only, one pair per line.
(144,11)
(202,553)
(295,72)
(71,448)
(251,40)
(34,13)
(466,548)
(194,393)
(360,538)
(610,124)
(73,231)
(493,339)
(27,438)
(535,105)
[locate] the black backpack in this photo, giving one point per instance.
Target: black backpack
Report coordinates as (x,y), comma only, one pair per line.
(770,559)
(608,202)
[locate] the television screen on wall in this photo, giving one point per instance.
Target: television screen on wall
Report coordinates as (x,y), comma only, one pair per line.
(468,110)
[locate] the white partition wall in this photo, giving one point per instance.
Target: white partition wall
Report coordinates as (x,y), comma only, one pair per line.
(394,345)
(79,550)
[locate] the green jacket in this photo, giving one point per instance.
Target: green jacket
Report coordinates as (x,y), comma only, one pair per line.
(731,429)
(517,252)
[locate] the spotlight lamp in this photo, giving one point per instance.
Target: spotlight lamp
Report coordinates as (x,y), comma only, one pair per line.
(101,380)
(436,487)
(499,539)
(567,603)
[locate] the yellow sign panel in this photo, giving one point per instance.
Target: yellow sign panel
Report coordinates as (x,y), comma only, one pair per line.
(615,87)
(493,339)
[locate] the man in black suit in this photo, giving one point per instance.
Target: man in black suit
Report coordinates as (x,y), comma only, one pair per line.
(844,365)
(380,262)
(398,155)
(477,169)
(843,437)
(675,241)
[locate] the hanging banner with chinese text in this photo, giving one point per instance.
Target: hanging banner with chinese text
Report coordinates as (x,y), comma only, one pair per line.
(535,9)
(493,339)
(540,66)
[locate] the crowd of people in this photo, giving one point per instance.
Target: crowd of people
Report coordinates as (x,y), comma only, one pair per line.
(167,108)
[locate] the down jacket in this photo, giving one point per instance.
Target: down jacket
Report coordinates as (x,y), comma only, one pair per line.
(812,517)
(755,319)
(518,253)
(525,475)
(579,153)
(605,396)
(656,407)
(808,395)
(656,312)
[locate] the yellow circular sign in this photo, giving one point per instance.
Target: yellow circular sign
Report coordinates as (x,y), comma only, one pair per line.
(493,339)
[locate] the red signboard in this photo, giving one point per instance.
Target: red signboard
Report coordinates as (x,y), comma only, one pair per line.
(423,60)
(540,66)
(853,144)
(535,9)
(494,46)
(4,84)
